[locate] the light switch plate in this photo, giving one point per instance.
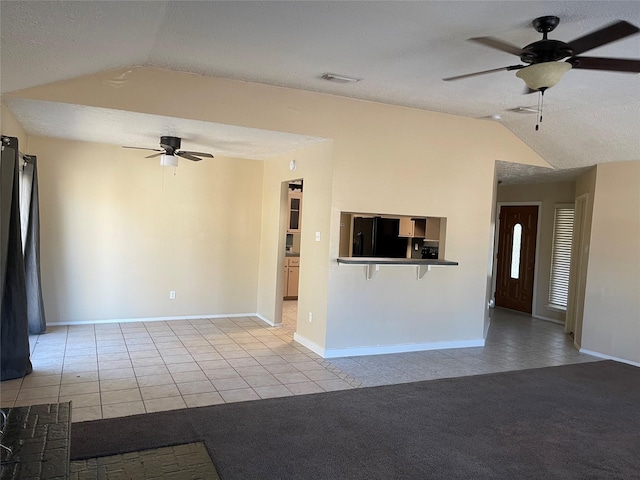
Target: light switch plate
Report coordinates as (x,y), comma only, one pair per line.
(317,236)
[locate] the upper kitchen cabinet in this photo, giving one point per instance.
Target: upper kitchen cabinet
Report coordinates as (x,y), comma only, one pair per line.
(295,209)
(427,228)
(412,227)
(433,229)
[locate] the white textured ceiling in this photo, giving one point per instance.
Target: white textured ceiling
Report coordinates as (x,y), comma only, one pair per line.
(118,127)
(402,50)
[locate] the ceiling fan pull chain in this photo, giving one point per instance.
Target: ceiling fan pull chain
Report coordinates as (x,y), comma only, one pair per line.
(540,107)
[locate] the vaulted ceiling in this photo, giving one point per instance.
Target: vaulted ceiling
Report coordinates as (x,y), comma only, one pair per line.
(401,51)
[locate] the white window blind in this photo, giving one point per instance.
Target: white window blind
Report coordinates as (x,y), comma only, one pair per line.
(561,256)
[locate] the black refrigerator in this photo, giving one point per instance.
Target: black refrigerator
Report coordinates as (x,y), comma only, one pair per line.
(378,237)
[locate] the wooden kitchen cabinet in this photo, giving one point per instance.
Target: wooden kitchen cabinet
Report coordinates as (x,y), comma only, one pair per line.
(295,212)
(412,227)
(291,277)
(406,227)
(433,229)
(292,282)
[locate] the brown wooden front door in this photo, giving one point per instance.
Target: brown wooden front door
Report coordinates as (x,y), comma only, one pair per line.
(516,257)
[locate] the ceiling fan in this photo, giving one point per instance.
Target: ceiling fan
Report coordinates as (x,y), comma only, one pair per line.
(546,60)
(170,149)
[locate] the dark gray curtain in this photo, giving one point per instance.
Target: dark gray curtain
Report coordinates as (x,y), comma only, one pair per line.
(14,328)
(30,220)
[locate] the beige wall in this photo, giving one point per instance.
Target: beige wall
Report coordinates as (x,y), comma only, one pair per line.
(314,168)
(382,158)
(12,128)
(549,194)
(611,324)
(418,174)
(118,232)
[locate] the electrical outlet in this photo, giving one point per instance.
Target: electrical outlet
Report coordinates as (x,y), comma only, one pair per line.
(172,295)
(310,317)
(317,236)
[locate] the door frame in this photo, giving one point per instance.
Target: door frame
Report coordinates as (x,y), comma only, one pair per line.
(577,276)
(496,238)
(282,234)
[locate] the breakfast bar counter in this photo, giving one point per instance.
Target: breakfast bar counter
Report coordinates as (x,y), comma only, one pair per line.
(373,263)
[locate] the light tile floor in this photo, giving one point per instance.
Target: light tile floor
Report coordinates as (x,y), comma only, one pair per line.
(119,369)
(515,341)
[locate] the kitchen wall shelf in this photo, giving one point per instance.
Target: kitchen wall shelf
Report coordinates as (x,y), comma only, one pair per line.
(372,264)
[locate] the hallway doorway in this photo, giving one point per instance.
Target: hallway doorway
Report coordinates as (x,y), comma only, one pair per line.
(291,235)
(290,316)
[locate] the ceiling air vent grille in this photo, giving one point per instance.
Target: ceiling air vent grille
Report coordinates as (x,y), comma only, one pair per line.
(334,77)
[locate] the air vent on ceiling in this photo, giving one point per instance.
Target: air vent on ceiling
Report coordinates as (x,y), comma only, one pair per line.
(334,77)
(524,110)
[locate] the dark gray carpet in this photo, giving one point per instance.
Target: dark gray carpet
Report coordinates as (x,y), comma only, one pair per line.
(574,421)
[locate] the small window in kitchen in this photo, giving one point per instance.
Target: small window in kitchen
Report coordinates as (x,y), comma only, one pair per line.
(515,251)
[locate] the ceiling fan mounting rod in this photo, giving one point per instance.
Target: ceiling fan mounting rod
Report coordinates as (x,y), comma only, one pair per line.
(170,144)
(545,24)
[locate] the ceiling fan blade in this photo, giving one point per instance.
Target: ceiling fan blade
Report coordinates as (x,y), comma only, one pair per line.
(188,156)
(497,44)
(200,154)
(155,155)
(142,148)
(599,63)
(484,72)
(611,33)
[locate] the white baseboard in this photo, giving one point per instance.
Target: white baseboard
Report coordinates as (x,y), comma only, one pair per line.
(157,319)
(486,328)
(266,320)
(548,319)
(609,357)
(384,349)
(314,347)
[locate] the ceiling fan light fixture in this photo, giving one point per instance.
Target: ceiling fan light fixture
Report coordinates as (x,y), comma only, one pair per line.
(167,160)
(541,76)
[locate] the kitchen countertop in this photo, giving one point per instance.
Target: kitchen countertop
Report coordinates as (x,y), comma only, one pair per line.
(291,254)
(394,261)
(372,264)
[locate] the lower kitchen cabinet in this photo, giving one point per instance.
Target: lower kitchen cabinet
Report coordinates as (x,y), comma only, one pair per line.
(291,277)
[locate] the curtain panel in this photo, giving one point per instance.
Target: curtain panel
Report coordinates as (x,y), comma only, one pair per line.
(14,328)
(30,229)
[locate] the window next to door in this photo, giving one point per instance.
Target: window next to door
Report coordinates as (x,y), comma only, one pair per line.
(561,256)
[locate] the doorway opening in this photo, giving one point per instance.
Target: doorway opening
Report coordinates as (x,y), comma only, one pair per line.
(293,192)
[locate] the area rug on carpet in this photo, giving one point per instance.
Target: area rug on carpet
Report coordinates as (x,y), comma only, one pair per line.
(179,462)
(573,421)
